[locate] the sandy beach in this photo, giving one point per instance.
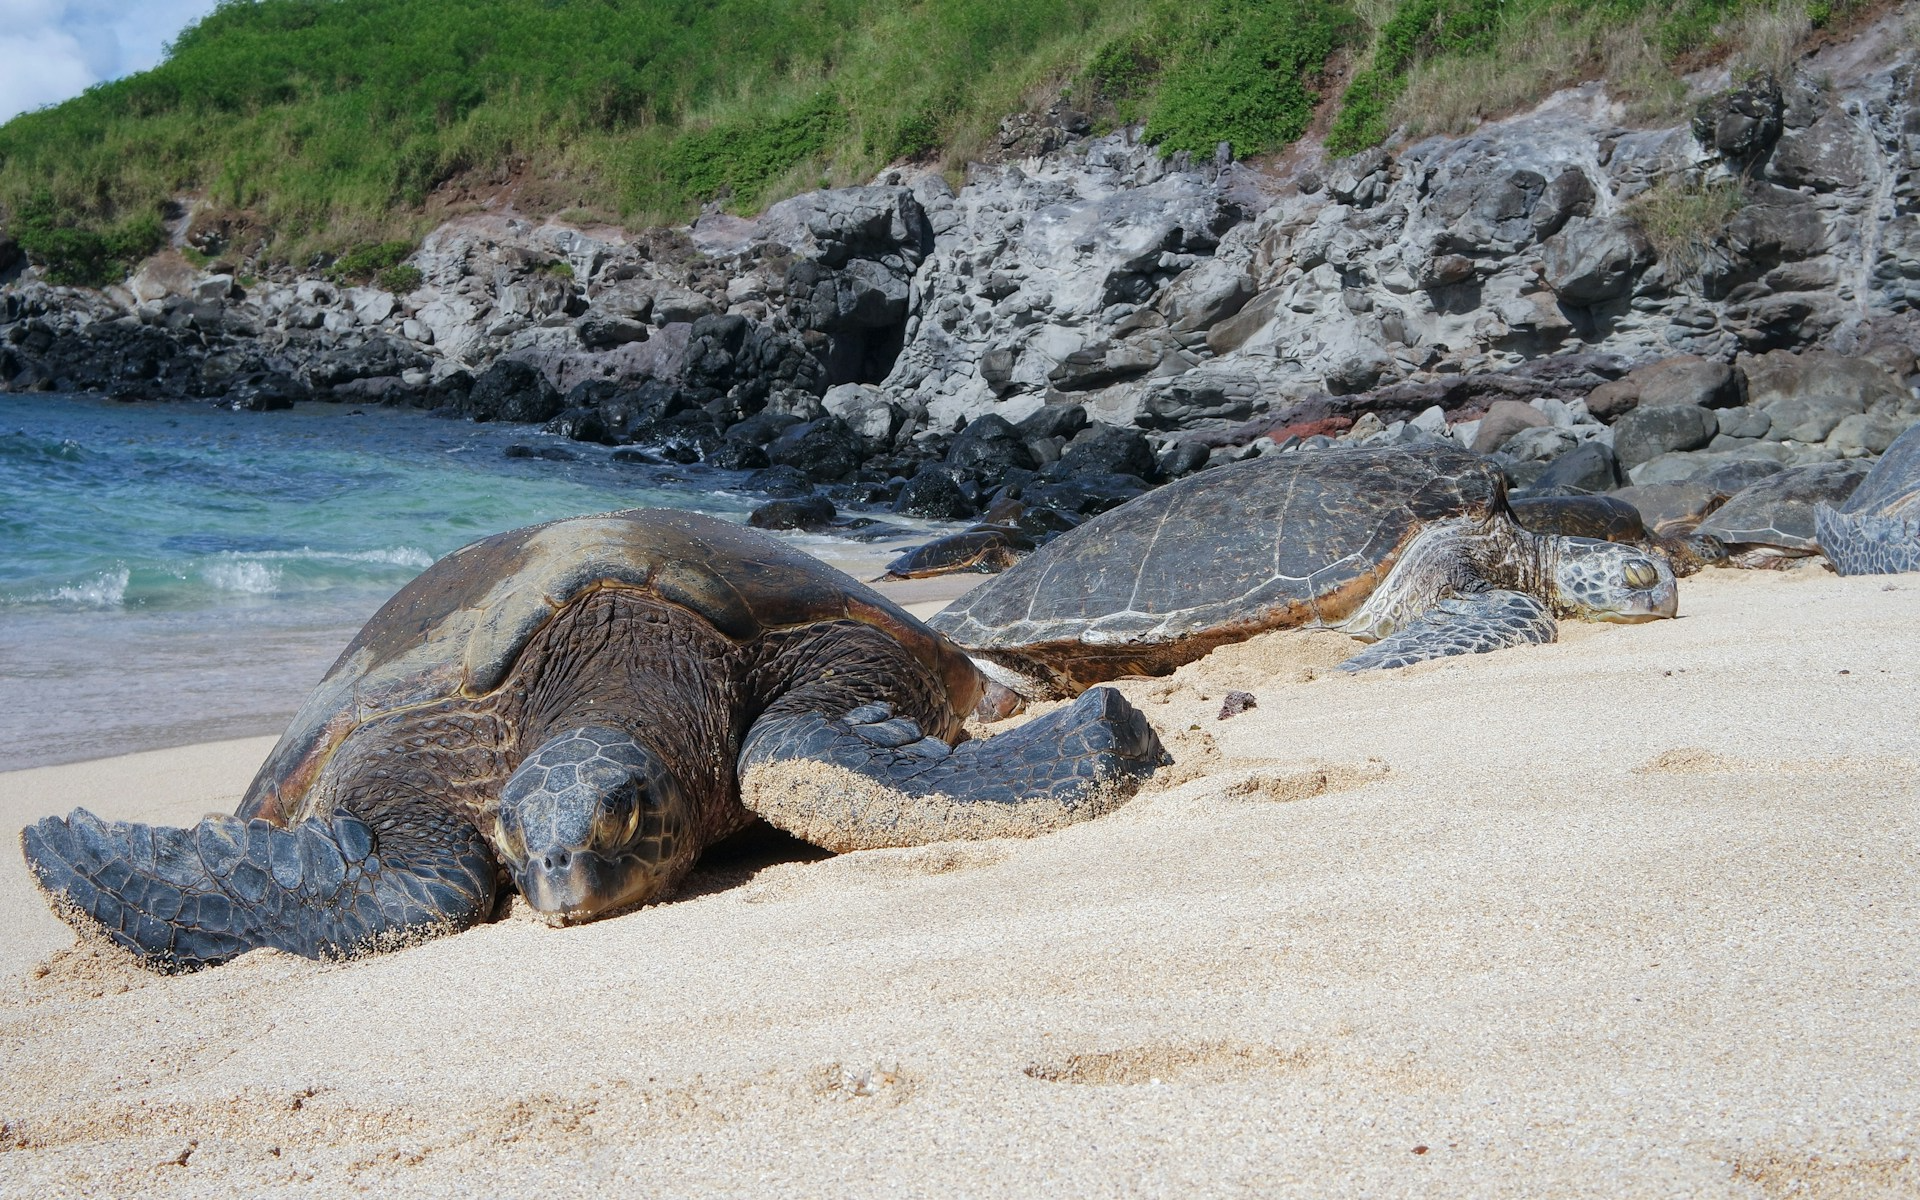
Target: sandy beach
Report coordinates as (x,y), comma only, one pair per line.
(1633,914)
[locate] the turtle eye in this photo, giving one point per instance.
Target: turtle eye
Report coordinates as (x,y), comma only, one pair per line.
(507,836)
(621,817)
(1640,574)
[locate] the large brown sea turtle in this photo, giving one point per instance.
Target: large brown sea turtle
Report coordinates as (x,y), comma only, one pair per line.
(1411,548)
(576,710)
(1877,530)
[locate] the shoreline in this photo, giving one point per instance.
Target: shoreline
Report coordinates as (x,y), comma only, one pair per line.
(1626,913)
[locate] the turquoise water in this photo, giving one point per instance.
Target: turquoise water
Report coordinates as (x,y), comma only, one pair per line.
(173,573)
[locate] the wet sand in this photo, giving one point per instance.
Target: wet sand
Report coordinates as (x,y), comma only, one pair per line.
(1631,914)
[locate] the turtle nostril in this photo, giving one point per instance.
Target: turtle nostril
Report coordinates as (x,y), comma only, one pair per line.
(556,860)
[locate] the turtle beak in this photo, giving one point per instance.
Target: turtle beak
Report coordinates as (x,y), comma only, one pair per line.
(565,885)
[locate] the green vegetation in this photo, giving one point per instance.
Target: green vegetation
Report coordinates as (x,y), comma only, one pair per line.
(1439,65)
(362,263)
(1682,221)
(326,125)
(1244,72)
(400,279)
(74,254)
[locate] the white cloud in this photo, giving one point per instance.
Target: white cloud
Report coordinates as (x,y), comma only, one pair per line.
(52,50)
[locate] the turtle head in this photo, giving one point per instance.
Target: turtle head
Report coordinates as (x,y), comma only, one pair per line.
(590,823)
(1611,581)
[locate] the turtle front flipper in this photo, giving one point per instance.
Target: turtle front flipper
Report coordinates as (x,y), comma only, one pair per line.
(1474,624)
(870,778)
(181,899)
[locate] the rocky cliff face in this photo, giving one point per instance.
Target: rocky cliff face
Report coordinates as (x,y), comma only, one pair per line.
(1086,322)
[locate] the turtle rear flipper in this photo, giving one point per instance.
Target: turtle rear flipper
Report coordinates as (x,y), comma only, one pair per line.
(1491,620)
(870,778)
(181,899)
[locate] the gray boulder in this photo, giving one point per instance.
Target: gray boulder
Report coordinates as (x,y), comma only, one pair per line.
(1861,434)
(1853,385)
(1745,421)
(1588,467)
(1646,433)
(1504,419)
(1685,379)
(1593,261)
(1206,295)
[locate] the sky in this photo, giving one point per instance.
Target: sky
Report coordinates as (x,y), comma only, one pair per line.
(52,50)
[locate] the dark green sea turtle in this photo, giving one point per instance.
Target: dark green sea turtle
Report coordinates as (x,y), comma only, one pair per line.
(1412,548)
(576,710)
(1771,523)
(1610,519)
(1877,530)
(984,548)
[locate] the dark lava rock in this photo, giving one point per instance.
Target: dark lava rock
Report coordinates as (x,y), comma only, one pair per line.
(782,482)
(510,390)
(1055,420)
(805,512)
(581,425)
(825,449)
(1086,494)
(266,392)
(934,492)
(688,436)
(735,455)
(1109,450)
(988,448)
(762,428)
(555,453)
(643,458)
(1182,458)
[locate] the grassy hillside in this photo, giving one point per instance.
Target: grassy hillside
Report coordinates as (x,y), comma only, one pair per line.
(337,123)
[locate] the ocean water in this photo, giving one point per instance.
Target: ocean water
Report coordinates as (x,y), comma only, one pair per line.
(173,573)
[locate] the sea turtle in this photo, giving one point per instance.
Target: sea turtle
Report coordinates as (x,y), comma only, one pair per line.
(1610,519)
(576,710)
(1669,509)
(1877,530)
(1770,523)
(983,548)
(1410,547)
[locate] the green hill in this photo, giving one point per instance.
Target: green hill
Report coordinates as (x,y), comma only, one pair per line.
(325,124)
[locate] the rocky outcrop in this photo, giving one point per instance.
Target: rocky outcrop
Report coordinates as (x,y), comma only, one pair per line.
(1085,318)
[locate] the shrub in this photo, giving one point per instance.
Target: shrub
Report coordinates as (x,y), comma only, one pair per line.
(72,254)
(363,263)
(1683,220)
(400,279)
(741,157)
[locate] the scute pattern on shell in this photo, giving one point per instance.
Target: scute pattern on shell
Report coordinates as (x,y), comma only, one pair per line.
(1602,518)
(1778,510)
(458,628)
(1268,543)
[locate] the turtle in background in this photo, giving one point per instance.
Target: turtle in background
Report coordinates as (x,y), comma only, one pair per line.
(575,710)
(984,548)
(1411,548)
(1877,530)
(1610,519)
(1770,524)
